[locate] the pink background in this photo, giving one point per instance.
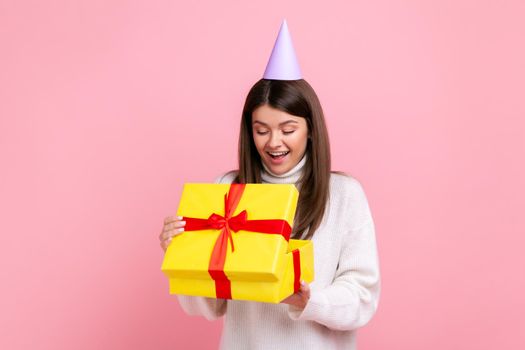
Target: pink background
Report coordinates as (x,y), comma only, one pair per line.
(108,107)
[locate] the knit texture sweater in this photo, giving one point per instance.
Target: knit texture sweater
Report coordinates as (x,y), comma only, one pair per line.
(344,295)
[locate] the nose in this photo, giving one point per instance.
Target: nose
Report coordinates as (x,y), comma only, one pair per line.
(275,140)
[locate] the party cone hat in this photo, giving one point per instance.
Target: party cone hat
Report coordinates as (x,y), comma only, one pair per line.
(283,63)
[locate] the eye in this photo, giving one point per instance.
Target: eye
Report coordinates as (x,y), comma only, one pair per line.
(288,132)
(261,132)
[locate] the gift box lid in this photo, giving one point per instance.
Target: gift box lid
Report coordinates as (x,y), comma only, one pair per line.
(255,256)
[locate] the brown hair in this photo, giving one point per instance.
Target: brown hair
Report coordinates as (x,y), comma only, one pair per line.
(295,97)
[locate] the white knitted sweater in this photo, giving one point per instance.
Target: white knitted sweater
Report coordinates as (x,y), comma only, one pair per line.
(344,294)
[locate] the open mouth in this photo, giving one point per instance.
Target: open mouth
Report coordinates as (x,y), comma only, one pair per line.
(278,155)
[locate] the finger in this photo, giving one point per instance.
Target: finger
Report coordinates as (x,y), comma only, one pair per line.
(305,287)
(164,235)
(164,244)
(305,290)
(172,233)
(174,224)
(170,219)
(169,232)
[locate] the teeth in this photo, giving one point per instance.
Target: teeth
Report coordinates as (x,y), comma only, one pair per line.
(277,154)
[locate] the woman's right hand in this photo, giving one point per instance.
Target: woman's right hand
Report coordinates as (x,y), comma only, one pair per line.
(173,226)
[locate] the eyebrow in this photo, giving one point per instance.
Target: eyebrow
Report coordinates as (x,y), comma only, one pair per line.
(280,124)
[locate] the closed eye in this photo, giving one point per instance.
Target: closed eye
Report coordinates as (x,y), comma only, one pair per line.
(288,132)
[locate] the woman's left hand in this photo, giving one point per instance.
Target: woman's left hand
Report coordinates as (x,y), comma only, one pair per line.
(299,299)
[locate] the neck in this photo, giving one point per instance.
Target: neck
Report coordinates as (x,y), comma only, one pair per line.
(290,177)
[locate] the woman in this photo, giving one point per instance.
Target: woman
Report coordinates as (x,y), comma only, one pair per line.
(283,139)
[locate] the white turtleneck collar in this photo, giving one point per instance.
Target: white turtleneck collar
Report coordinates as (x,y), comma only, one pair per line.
(290,177)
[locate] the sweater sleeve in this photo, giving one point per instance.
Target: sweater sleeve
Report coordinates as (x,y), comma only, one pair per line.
(352,299)
(209,308)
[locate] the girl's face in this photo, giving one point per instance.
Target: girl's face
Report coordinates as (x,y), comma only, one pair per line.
(280,138)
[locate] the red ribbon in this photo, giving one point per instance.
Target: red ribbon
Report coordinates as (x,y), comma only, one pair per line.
(296,270)
(226,224)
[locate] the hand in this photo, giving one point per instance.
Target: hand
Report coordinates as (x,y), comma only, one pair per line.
(173,226)
(299,299)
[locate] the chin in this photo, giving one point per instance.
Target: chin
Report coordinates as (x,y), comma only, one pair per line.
(280,170)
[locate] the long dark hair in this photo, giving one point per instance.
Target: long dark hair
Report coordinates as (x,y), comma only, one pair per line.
(295,97)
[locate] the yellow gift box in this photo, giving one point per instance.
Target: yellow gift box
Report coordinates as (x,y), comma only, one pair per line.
(236,243)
